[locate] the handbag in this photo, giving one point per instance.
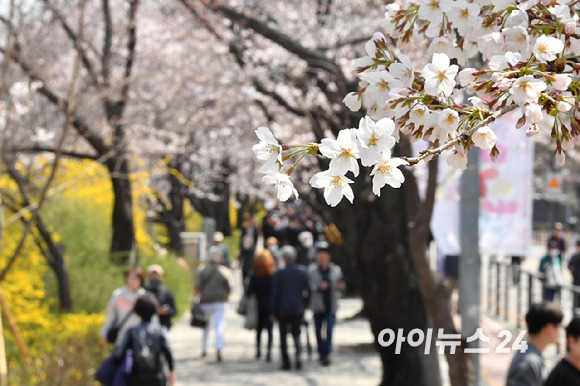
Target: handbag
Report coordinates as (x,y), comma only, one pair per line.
(243,305)
(251,322)
(113,332)
(198,317)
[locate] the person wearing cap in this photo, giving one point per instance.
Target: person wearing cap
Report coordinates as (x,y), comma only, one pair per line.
(551,267)
(218,241)
(166,308)
(326,283)
(288,301)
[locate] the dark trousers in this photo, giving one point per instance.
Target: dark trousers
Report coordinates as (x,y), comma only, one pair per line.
(293,323)
(264,322)
(324,343)
(550,294)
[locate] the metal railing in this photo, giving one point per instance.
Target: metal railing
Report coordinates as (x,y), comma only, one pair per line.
(503,276)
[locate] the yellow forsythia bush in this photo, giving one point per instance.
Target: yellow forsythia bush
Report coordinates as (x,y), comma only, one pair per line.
(63,348)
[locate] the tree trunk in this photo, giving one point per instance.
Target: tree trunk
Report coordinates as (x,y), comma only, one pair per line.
(123,245)
(376,233)
(175,217)
(55,258)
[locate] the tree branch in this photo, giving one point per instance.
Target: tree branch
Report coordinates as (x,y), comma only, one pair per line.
(82,129)
(77,43)
(312,58)
(42,149)
(131,44)
(277,97)
(107,43)
(427,153)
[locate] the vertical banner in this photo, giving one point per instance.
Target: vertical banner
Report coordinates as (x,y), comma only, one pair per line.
(505,215)
(505,220)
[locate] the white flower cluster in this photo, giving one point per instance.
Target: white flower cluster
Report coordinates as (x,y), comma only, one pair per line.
(529,47)
(532,68)
(371,142)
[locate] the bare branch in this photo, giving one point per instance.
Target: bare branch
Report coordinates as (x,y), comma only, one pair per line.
(131,43)
(43,149)
(76,41)
(278,98)
(107,42)
(81,127)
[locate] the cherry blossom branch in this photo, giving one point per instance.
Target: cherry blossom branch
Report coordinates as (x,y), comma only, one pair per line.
(427,153)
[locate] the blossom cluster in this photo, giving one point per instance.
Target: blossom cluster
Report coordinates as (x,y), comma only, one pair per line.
(371,143)
(531,68)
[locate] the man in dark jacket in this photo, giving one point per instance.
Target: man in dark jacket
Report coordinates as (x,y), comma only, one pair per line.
(164,296)
(290,297)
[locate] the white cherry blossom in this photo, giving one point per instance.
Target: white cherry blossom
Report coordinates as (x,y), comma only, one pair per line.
(533,113)
(268,149)
(386,172)
(374,138)
(419,115)
(285,187)
(546,48)
(353,101)
(464,16)
(457,160)
(526,89)
(439,75)
(335,186)
(484,137)
(342,151)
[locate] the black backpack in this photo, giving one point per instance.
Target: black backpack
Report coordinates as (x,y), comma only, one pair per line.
(147,368)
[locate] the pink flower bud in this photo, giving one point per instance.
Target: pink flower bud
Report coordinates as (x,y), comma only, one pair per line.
(567,144)
(560,157)
(563,106)
(561,82)
(570,28)
(532,130)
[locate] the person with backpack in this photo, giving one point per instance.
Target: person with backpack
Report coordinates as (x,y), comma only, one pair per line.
(147,342)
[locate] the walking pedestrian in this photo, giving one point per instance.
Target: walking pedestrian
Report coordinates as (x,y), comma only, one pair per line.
(567,371)
(213,286)
(289,300)
(119,312)
(551,267)
(218,240)
(165,298)
(325,281)
(528,368)
(147,342)
(260,285)
(305,250)
(557,236)
(574,267)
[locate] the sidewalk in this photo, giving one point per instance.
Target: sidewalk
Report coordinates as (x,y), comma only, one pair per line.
(354,361)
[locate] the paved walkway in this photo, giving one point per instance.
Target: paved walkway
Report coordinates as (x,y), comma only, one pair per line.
(354,360)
